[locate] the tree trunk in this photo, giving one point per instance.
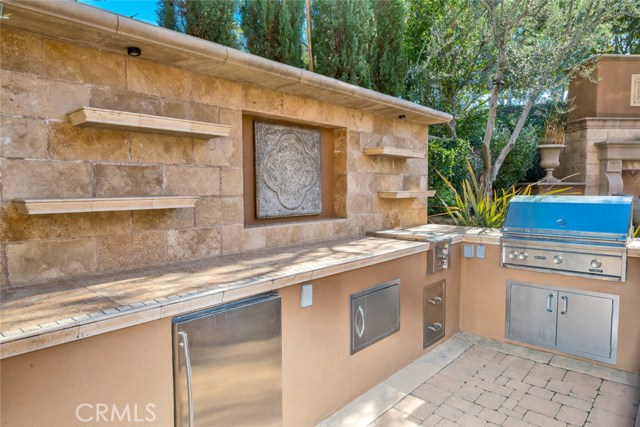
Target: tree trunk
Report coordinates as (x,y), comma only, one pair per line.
(308,10)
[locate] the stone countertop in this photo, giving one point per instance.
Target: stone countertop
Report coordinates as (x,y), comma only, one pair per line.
(37,316)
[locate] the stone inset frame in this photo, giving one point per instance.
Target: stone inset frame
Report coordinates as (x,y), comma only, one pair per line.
(288,167)
(635,90)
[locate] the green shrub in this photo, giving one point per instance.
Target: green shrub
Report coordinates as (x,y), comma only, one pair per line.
(447,159)
(521,157)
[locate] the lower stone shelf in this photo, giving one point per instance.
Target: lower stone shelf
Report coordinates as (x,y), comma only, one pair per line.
(101,204)
(405,194)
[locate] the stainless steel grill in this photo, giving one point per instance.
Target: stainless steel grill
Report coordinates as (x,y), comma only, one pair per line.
(573,235)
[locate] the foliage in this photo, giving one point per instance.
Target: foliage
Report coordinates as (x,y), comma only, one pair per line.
(342,35)
(537,45)
(448,57)
(447,157)
(475,206)
(626,31)
(520,159)
(388,59)
(273,28)
(211,20)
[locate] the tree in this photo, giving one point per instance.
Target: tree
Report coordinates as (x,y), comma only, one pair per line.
(211,20)
(388,59)
(342,34)
(448,53)
(273,29)
(537,46)
(626,38)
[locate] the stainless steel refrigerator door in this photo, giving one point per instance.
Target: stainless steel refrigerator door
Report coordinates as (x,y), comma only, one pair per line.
(228,365)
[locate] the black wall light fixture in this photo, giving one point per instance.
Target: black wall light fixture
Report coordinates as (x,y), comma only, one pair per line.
(134,51)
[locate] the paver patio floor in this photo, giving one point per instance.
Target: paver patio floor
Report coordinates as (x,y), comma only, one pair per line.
(472,381)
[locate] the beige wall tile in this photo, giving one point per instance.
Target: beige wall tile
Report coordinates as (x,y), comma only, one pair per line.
(260,100)
(234,119)
(232,236)
(30,96)
(21,51)
(317,231)
(189,111)
(212,211)
(23,138)
(155,79)
(217,152)
(34,261)
(126,180)
(163,219)
(231,182)
(78,64)
(283,235)
(125,101)
(68,142)
(16,227)
(214,91)
(359,121)
(149,148)
(90,224)
(125,251)
(254,238)
(193,181)
(193,243)
(43,179)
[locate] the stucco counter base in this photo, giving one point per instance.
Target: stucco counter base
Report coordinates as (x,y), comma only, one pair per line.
(43,315)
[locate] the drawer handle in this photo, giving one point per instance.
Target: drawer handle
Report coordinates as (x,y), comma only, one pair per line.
(565,300)
(436,300)
(549,298)
(435,327)
(359,313)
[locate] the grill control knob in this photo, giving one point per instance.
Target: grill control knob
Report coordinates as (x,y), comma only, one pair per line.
(558,259)
(513,255)
(596,263)
(523,255)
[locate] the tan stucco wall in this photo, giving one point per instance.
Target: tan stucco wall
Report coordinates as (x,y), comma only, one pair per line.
(133,365)
(130,367)
(609,94)
(483,301)
(43,156)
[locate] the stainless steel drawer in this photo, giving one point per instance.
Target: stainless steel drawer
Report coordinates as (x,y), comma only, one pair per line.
(375,314)
(433,313)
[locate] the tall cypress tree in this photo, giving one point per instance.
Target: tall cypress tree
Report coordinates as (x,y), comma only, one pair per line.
(273,29)
(388,58)
(342,35)
(211,20)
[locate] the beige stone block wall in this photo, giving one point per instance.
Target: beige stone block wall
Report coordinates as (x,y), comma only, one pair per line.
(580,161)
(43,156)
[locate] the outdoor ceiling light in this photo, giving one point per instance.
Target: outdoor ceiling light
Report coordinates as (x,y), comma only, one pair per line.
(134,51)
(402,116)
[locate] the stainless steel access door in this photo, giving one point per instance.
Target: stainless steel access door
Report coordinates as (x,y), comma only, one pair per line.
(585,324)
(228,365)
(532,314)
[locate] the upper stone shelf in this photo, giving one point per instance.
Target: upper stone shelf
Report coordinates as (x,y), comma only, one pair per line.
(102,204)
(122,120)
(405,194)
(394,152)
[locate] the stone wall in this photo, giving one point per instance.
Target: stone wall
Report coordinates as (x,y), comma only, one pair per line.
(43,156)
(580,161)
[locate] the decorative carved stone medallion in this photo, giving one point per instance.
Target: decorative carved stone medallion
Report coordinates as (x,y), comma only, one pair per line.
(288,170)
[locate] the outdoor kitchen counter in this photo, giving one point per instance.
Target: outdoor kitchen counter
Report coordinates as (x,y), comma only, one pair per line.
(37,316)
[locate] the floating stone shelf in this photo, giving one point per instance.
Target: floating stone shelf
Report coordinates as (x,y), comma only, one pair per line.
(106,204)
(405,194)
(394,152)
(122,120)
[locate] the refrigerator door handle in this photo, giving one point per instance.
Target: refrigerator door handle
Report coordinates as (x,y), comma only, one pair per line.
(184,344)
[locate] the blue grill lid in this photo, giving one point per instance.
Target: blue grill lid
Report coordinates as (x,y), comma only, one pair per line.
(597,216)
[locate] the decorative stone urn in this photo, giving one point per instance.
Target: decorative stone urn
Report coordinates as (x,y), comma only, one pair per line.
(550,160)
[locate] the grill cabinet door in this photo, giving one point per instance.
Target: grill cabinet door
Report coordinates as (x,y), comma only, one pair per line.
(585,324)
(375,314)
(532,314)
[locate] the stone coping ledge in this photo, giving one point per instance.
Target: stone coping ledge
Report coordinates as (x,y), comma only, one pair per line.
(82,24)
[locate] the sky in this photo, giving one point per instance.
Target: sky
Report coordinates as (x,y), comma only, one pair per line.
(143,10)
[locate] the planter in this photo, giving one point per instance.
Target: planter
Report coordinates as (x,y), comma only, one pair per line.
(550,160)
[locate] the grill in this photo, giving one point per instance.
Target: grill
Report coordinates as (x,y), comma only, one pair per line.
(438,255)
(574,235)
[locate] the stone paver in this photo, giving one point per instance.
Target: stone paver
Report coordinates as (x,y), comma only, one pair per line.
(472,381)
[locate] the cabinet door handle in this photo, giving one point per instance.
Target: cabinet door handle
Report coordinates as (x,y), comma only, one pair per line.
(359,313)
(436,300)
(549,299)
(184,344)
(435,327)
(565,305)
